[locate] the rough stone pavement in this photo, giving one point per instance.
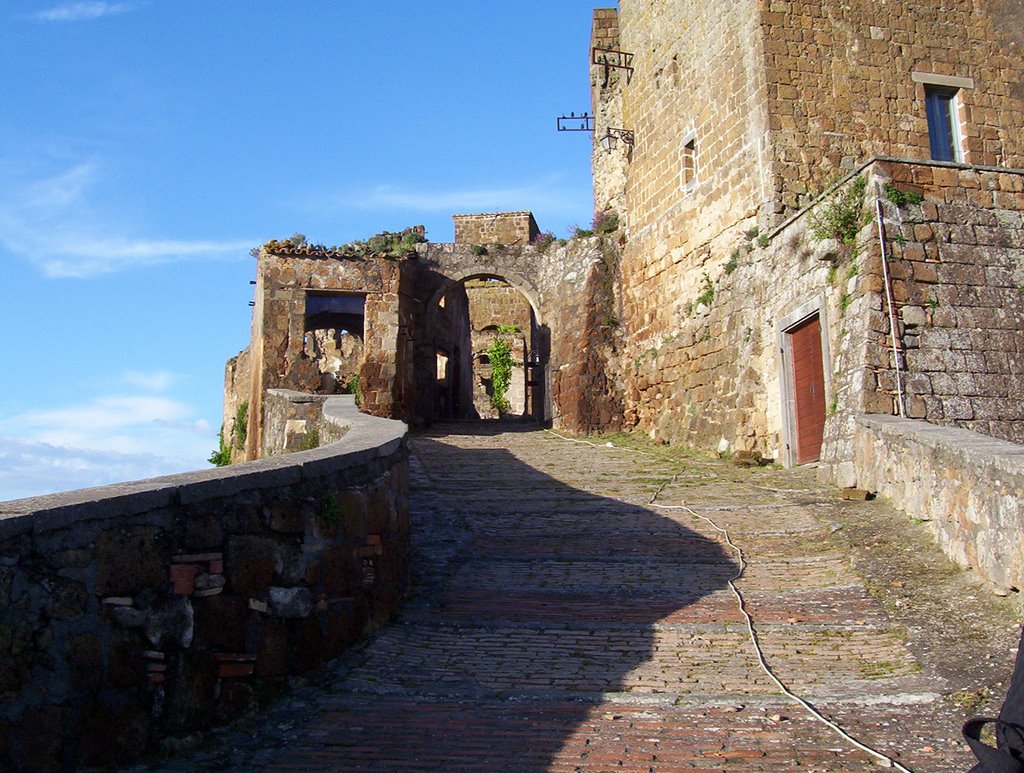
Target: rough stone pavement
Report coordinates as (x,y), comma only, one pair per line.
(561,623)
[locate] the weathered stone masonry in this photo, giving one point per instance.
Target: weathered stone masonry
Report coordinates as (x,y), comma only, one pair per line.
(416,360)
(161,608)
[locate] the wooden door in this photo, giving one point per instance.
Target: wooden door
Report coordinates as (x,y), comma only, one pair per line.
(808,388)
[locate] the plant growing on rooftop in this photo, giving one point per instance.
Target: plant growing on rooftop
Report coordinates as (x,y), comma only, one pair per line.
(221,456)
(605,222)
(901,198)
(543,240)
(841,216)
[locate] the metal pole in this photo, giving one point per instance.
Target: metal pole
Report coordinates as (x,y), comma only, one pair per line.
(897,363)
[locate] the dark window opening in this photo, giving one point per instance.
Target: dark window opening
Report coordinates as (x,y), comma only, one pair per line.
(943,124)
(333,311)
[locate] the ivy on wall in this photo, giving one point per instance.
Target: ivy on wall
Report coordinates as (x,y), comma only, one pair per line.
(500,355)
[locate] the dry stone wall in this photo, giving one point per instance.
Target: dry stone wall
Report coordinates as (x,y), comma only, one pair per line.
(157,609)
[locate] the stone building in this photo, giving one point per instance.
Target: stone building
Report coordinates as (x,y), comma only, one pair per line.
(408,326)
(735,138)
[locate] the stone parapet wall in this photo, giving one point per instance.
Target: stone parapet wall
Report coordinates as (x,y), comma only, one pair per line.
(957,264)
(968,487)
(155,609)
(495,228)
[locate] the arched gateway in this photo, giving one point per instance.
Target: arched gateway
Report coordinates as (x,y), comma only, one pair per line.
(410,327)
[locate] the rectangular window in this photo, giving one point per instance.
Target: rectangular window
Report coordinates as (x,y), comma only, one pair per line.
(943,123)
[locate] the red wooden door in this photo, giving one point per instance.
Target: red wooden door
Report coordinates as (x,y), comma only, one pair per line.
(809,388)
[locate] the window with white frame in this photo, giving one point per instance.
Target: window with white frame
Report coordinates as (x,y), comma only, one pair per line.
(942,96)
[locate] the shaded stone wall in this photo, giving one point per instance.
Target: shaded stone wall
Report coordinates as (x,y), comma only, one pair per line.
(968,487)
(237,389)
(495,228)
(141,611)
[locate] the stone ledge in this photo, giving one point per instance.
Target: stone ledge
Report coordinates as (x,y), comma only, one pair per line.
(967,486)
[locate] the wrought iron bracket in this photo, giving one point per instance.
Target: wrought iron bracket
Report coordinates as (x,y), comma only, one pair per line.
(575,123)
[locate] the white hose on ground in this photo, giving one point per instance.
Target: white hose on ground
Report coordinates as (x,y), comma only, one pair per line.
(882,758)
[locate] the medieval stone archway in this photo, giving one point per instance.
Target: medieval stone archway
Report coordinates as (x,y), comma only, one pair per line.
(467,313)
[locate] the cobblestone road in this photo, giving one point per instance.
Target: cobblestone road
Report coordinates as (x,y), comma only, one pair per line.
(562,623)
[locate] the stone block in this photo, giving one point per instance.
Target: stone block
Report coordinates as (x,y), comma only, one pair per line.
(223,623)
(44,736)
(130,560)
(250,564)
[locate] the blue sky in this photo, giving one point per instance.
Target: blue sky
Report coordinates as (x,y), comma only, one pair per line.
(147,145)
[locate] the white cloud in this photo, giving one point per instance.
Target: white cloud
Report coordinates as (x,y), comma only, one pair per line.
(52,223)
(107,439)
(550,195)
(154,381)
(30,469)
(81,11)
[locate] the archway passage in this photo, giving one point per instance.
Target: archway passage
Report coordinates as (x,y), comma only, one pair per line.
(489,352)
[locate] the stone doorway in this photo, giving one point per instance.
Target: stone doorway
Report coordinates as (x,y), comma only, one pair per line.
(803,361)
(466,321)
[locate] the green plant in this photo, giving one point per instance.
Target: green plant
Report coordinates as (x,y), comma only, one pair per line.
(478,250)
(352,388)
(762,240)
(241,424)
(578,232)
(833,269)
(851,272)
(329,513)
(752,233)
(841,216)
(707,293)
(310,440)
(933,302)
(833,406)
(500,356)
(901,198)
(221,456)
(844,303)
(732,262)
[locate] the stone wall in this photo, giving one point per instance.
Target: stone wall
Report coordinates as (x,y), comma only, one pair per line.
(279,340)
(158,609)
(968,487)
(495,228)
(237,390)
(714,376)
(842,85)
(958,273)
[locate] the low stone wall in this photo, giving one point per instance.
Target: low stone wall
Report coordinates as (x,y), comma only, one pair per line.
(138,612)
(969,487)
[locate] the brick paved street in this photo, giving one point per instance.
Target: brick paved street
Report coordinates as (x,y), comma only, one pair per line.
(560,623)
